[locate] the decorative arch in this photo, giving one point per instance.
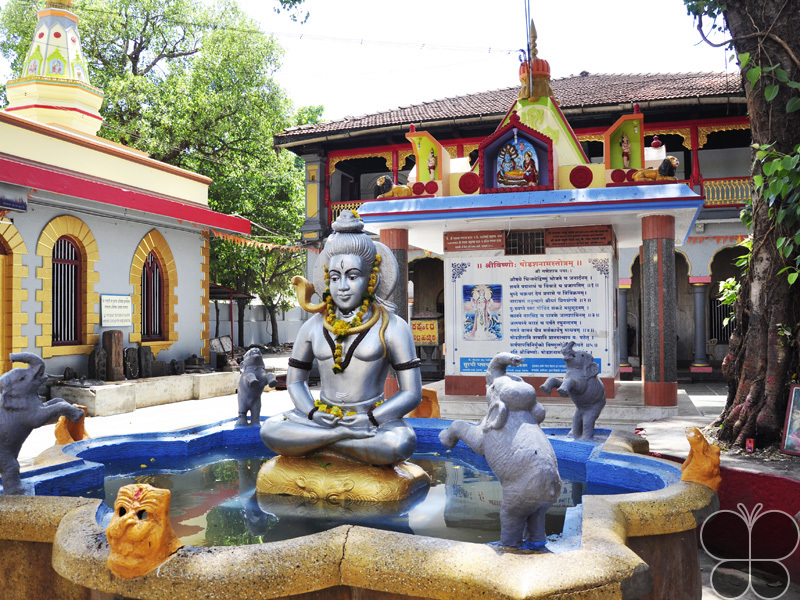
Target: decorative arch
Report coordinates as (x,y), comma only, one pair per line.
(688,262)
(154,242)
(722,247)
(77,231)
(634,258)
(12,295)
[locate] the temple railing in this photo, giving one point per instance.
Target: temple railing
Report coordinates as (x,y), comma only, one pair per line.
(726,192)
(338,207)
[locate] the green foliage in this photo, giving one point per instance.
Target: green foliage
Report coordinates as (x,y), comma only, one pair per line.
(293,7)
(773,78)
(784,334)
(778,183)
(779,186)
(309,114)
(729,294)
(730,289)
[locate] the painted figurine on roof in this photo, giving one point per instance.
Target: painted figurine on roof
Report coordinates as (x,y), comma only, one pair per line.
(529,171)
(432,162)
(625,144)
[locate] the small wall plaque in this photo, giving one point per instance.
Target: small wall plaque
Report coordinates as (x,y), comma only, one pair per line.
(116,311)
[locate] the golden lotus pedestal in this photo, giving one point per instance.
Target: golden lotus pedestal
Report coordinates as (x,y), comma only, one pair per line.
(339,479)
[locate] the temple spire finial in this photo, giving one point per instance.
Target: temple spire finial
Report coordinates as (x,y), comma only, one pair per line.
(534,72)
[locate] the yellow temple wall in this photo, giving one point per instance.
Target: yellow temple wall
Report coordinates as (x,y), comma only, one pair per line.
(101,159)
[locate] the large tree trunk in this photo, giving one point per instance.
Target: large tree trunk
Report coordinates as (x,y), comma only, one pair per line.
(761,365)
(241,305)
(273,321)
(216,320)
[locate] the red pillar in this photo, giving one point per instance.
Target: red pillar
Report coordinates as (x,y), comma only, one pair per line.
(397,241)
(695,138)
(659,344)
(395,166)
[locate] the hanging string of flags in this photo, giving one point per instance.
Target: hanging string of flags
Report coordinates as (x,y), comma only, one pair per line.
(720,239)
(248,242)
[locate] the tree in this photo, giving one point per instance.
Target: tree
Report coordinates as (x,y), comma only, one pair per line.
(764,345)
(192,85)
(266,272)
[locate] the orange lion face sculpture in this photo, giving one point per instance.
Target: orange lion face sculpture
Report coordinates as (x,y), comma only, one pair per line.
(702,464)
(140,534)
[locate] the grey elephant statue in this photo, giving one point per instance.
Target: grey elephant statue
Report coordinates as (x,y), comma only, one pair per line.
(518,452)
(582,384)
(21,411)
(251,384)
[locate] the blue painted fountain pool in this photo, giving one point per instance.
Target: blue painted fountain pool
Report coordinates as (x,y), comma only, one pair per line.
(211,471)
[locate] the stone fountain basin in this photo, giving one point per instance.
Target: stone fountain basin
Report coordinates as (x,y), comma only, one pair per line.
(658,524)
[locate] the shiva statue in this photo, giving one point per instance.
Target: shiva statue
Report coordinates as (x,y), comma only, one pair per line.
(354,335)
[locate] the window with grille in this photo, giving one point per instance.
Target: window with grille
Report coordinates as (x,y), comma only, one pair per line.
(525,242)
(718,312)
(152,300)
(66,292)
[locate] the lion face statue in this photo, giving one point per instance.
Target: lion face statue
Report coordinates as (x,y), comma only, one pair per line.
(668,166)
(384,184)
(702,464)
(140,534)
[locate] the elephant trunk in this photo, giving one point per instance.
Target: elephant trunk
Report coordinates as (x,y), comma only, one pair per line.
(33,360)
(27,358)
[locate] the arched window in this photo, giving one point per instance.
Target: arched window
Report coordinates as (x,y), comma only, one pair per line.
(66,292)
(152,300)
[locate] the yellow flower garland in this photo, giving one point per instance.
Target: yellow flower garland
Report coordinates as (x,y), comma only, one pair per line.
(341,328)
(337,411)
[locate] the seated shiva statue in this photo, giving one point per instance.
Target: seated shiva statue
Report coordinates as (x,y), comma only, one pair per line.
(354,336)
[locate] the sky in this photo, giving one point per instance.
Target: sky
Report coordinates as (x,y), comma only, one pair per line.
(362,56)
(358,57)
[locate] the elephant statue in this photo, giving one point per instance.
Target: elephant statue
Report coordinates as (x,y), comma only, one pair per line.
(582,384)
(251,384)
(21,411)
(518,452)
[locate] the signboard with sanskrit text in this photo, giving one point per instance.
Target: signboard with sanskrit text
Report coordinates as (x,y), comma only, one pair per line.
(459,241)
(530,305)
(116,311)
(13,197)
(426,332)
(572,237)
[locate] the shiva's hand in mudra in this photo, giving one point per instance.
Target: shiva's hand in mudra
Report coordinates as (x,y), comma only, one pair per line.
(354,336)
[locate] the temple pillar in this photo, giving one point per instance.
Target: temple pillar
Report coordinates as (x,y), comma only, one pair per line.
(622,325)
(659,299)
(315,226)
(696,178)
(700,287)
(397,241)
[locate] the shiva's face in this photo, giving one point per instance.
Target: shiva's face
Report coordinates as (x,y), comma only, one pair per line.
(349,280)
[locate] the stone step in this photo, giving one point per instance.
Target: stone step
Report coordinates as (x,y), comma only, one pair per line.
(560,414)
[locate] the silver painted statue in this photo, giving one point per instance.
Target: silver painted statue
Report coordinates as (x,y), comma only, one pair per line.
(354,336)
(517,450)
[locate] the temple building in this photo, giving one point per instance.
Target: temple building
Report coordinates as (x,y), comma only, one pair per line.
(93,235)
(610,198)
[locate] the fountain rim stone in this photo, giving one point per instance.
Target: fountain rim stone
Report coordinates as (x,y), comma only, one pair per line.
(346,555)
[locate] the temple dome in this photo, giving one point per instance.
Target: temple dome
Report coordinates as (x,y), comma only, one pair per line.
(54,86)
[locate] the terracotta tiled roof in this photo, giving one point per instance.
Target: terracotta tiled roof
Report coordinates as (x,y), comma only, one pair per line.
(571,92)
